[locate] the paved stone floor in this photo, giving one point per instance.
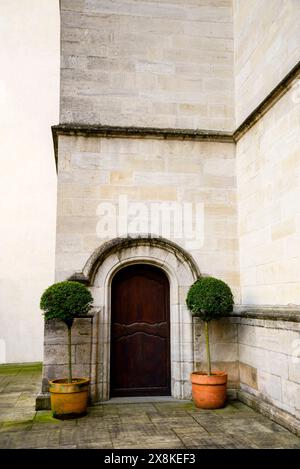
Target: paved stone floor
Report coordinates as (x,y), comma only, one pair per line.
(131,425)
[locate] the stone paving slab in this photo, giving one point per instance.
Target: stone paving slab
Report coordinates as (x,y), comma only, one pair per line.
(117,425)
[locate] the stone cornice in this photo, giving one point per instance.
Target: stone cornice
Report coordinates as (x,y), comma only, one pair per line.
(109,131)
(85,130)
(271,313)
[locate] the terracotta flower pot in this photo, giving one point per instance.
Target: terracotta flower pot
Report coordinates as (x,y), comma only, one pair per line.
(209,392)
(69,400)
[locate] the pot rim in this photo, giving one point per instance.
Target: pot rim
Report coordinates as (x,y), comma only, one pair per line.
(64,381)
(213,373)
(215,379)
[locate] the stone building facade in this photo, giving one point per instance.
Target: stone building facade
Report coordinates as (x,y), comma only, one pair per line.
(190,106)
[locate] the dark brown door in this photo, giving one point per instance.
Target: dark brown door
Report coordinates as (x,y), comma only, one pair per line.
(140,332)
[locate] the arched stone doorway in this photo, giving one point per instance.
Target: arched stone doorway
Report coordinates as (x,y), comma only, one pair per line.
(181,271)
(140,332)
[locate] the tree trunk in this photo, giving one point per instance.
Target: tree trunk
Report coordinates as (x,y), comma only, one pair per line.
(207,348)
(70,353)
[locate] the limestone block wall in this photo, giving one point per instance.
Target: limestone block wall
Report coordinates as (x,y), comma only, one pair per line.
(267,38)
(268,168)
(223,347)
(100,170)
(55,364)
(269,361)
(268,191)
(147,63)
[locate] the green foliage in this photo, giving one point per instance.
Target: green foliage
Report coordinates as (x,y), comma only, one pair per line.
(209,298)
(65,301)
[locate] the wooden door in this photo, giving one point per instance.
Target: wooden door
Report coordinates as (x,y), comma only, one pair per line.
(140,332)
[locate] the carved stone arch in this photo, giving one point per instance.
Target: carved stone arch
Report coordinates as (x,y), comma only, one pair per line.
(116,245)
(181,271)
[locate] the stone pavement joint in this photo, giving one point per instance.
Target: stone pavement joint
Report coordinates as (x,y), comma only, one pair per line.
(149,425)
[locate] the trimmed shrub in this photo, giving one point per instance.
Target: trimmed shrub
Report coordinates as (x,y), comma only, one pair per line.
(65,301)
(210,298)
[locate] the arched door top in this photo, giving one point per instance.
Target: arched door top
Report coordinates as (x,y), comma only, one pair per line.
(117,245)
(140,332)
(99,272)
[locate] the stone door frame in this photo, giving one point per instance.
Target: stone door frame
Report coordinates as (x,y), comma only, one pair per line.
(181,271)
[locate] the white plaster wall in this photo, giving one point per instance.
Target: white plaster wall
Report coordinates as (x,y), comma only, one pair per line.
(267,46)
(29,102)
(268,194)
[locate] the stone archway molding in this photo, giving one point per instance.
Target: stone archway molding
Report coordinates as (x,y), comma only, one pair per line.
(98,273)
(87,276)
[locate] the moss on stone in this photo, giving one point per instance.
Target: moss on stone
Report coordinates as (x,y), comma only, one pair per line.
(11,425)
(189,406)
(228,409)
(45,416)
(12,368)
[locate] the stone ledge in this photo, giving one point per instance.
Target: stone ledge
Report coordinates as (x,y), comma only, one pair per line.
(232,394)
(268,313)
(43,401)
(108,131)
(279,416)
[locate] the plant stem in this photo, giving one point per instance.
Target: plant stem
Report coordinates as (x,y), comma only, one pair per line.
(207,348)
(70,353)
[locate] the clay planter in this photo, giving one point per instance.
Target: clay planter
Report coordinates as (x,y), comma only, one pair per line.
(209,392)
(69,400)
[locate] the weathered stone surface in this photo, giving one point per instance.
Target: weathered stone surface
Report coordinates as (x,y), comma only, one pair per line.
(268,348)
(146,160)
(251,226)
(278,23)
(61,371)
(156,424)
(269,239)
(294,369)
(276,414)
(57,354)
(248,375)
(83,354)
(56,332)
(173,85)
(43,401)
(224,348)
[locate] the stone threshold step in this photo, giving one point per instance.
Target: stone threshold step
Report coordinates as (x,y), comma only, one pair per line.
(141,399)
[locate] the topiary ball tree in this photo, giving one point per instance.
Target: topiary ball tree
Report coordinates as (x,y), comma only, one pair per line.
(64,301)
(209,298)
